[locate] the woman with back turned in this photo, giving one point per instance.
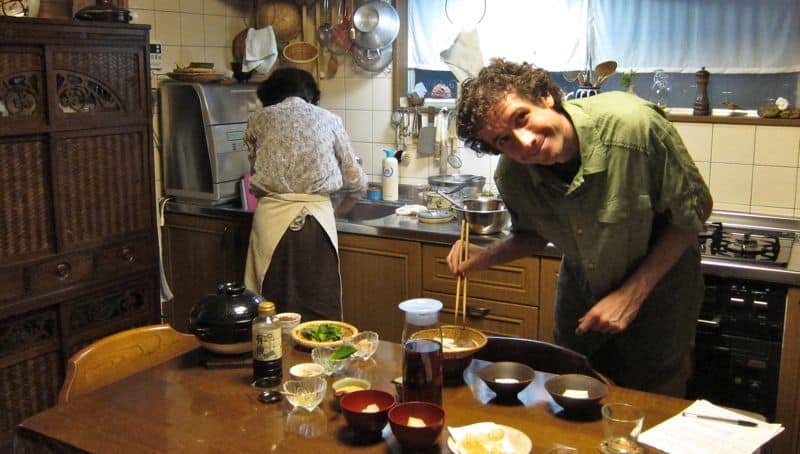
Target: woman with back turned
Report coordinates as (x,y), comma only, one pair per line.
(300,155)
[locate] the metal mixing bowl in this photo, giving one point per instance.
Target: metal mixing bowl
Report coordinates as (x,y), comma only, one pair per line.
(484,215)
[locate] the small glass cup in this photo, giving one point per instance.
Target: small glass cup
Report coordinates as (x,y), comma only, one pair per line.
(306,393)
(622,424)
(322,356)
(365,343)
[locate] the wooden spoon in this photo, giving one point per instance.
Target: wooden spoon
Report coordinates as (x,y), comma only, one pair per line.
(605,70)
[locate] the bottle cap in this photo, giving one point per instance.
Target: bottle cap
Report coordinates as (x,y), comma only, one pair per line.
(266,307)
(421,311)
(389,153)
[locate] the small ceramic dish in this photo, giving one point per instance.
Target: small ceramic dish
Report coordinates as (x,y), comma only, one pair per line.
(348,385)
(576,391)
(306,370)
(506,378)
(367,411)
(288,321)
(416,425)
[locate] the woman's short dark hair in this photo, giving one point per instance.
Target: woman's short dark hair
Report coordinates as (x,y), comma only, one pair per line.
(479,95)
(286,82)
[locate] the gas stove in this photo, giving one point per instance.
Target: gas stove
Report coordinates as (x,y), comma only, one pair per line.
(754,247)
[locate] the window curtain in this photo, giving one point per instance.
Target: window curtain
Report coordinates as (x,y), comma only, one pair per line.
(725,36)
(548,33)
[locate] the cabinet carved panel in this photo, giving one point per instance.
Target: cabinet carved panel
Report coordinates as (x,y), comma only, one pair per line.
(21,88)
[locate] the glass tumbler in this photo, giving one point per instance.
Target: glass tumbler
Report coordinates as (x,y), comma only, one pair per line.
(622,424)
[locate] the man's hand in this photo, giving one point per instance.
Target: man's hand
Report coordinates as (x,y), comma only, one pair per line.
(458,266)
(611,314)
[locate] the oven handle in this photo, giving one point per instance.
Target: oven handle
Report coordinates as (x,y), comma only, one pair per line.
(713,323)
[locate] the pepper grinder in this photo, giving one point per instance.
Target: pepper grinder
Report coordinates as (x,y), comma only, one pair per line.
(701,102)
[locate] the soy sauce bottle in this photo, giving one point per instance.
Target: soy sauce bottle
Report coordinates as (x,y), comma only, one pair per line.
(422,351)
(267,350)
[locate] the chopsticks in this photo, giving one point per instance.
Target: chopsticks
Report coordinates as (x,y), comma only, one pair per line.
(461,295)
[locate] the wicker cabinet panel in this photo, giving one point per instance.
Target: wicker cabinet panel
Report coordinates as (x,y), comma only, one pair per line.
(101,186)
(99,84)
(29,387)
(24,199)
(22,92)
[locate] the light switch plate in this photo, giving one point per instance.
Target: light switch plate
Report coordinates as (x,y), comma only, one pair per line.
(155,56)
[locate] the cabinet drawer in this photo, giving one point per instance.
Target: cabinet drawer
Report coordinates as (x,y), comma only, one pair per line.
(61,272)
(127,256)
(11,284)
(513,282)
(497,318)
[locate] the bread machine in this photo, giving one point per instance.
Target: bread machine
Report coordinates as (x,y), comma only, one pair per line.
(202,127)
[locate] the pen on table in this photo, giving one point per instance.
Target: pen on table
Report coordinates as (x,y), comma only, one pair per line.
(740,422)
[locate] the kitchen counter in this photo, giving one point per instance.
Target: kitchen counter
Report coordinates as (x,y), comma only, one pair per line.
(409,228)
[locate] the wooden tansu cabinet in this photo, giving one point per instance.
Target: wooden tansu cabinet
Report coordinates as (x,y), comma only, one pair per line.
(78,244)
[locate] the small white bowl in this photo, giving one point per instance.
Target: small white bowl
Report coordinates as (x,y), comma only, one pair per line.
(288,321)
(306,370)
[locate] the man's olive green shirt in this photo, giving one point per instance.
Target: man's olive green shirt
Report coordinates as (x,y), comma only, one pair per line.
(633,166)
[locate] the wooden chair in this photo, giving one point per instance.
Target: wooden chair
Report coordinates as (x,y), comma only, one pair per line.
(539,355)
(120,355)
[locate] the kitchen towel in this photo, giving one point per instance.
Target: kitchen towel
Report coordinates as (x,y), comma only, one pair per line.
(464,56)
(260,50)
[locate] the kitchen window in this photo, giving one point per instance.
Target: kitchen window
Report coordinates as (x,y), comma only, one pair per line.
(752,49)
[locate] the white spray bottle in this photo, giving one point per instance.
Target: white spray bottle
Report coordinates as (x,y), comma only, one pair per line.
(391,176)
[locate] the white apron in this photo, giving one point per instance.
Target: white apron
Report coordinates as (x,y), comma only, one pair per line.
(274,213)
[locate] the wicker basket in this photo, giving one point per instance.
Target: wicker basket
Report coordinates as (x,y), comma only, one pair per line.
(301,55)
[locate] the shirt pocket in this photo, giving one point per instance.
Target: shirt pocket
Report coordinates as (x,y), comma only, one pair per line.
(623,235)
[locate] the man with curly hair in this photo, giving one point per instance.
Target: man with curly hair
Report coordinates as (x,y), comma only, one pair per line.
(609,182)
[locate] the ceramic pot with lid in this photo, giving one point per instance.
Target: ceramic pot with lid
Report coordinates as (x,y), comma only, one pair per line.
(375,24)
(222,321)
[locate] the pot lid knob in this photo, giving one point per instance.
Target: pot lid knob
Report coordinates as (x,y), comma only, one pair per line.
(230,288)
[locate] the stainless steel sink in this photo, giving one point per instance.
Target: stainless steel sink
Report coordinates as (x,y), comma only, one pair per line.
(364,211)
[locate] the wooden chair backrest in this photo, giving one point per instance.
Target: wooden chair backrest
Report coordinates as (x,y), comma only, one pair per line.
(539,355)
(120,355)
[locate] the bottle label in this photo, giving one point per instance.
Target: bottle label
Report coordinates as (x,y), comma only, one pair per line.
(388,171)
(267,343)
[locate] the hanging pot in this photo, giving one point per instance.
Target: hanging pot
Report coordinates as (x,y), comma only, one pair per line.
(222,322)
(372,60)
(375,25)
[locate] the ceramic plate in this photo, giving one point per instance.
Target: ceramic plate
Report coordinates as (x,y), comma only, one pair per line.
(346,328)
(520,443)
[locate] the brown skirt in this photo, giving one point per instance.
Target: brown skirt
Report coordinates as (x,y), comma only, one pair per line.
(303,276)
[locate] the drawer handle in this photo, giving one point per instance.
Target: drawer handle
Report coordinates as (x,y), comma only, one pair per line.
(126,254)
(63,270)
(478,312)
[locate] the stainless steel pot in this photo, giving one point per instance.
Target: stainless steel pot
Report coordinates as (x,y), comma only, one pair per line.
(485,215)
(471,185)
(375,25)
(372,60)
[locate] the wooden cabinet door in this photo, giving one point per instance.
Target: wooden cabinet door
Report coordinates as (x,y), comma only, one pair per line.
(788,405)
(548,284)
(200,253)
(22,89)
(513,282)
(377,274)
(493,318)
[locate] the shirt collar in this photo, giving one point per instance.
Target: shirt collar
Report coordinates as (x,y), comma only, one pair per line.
(593,158)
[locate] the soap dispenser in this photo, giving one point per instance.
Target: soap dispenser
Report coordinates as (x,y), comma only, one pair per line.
(391,176)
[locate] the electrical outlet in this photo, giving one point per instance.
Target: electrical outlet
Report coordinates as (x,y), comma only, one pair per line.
(155,56)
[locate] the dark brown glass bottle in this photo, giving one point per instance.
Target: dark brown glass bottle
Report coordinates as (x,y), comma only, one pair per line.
(267,350)
(701,106)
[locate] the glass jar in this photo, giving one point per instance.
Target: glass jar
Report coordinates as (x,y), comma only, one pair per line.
(422,350)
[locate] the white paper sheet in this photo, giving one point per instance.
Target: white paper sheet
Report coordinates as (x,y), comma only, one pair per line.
(690,435)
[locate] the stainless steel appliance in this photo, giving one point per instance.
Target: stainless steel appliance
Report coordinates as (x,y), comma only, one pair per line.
(749,262)
(202,126)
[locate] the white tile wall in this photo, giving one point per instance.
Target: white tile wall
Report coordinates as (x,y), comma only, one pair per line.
(748,168)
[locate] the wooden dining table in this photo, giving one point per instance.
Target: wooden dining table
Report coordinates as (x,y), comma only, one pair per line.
(183,406)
